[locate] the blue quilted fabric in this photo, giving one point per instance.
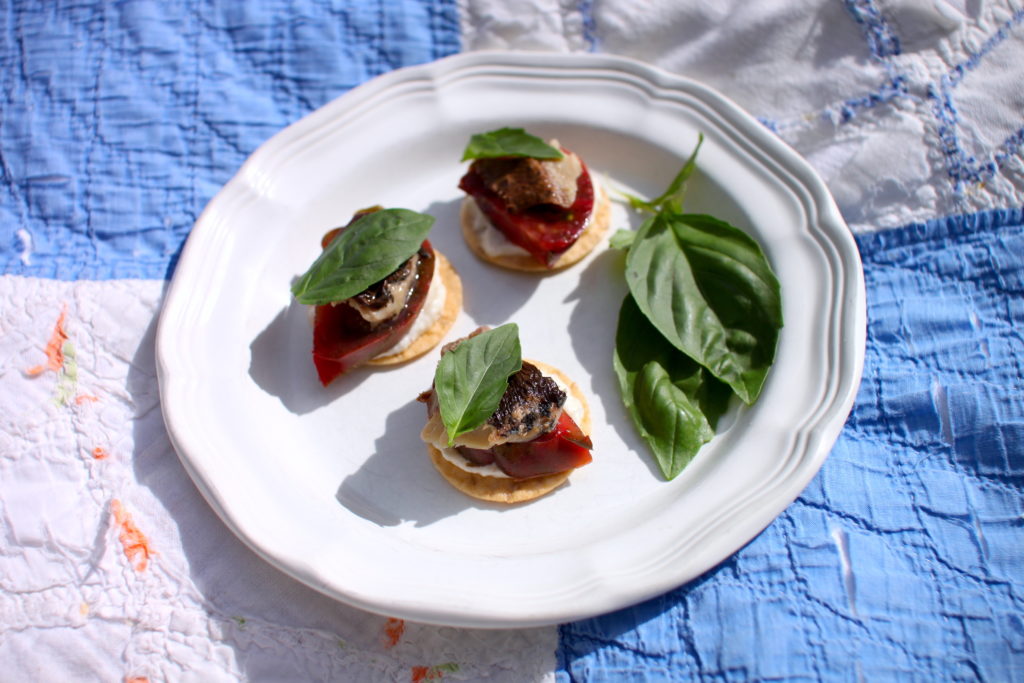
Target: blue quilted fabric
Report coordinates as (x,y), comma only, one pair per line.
(111,150)
(903,558)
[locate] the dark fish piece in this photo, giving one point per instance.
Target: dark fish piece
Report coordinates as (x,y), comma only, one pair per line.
(524,183)
(385,298)
(530,406)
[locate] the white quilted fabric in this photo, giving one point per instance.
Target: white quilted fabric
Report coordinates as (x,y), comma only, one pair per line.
(898,117)
(83,600)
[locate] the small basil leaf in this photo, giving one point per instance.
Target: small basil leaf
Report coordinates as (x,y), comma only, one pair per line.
(638,342)
(508,142)
(621,239)
(640,204)
(674,422)
(670,421)
(664,392)
(674,193)
(471,379)
(367,251)
(709,290)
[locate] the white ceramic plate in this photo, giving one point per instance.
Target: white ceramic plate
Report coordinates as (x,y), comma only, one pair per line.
(334,487)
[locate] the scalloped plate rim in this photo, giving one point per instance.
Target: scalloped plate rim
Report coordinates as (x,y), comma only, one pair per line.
(821,432)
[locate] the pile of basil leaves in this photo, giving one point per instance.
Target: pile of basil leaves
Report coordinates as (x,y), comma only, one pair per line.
(700,323)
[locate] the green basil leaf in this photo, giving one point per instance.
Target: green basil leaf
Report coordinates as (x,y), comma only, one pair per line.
(639,203)
(471,379)
(638,342)
(621,239)
(365,252)
(673,195)
(674,403)
(709,290)
(508,142)
(672,423)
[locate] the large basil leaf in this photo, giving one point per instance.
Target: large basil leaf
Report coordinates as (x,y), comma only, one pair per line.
(471,379)
(367,251)
(508,142)
(674,403)
(708,289)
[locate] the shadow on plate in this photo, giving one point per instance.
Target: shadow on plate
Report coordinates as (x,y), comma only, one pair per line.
(281,363)
(592,326)
(398,484)
(491,295)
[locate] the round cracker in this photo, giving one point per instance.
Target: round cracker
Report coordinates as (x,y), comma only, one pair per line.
(588,239)
(495,489)
(436,332)
(504,490)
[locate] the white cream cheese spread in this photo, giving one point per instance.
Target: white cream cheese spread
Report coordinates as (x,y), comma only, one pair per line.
(433,306)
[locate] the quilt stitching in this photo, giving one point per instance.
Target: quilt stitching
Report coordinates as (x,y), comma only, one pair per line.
(964,169)
(902,444)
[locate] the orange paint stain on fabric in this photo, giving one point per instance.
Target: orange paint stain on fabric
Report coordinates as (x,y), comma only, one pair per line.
(432,673)
(394,630)
(100,453)
(136,546)
(426,673)
(54,348)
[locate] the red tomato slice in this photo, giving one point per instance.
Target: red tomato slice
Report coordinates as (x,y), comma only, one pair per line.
(564,448)
(342,339)
(545,230)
